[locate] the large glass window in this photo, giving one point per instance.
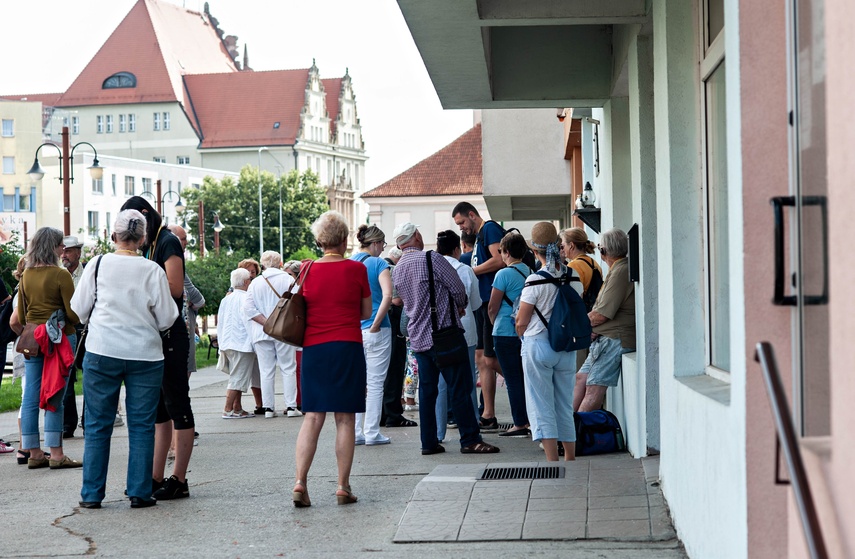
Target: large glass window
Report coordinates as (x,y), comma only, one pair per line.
(129,186)
(92,223)
(8,129)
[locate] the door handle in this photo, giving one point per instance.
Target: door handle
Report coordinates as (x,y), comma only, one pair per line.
(778,204)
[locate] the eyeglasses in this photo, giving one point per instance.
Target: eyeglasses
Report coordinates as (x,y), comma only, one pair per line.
(385,244)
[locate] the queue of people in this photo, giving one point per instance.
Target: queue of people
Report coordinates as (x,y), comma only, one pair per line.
(371,323)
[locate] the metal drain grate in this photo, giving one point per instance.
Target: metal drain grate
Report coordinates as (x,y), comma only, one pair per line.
(532,472)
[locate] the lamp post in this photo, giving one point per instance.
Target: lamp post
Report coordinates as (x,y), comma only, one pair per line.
(179,205)
(260,223)
(218,226)
(66,174)
(201,229)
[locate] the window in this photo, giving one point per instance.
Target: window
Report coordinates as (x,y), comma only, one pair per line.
(8,165)
(98,186)
(8,202)
(715,186)
(92,223)
(122,124)
(156,121)
(8,129)
(132,123)
(75,125)
(109,124)
(114,184)
(356,178)
(159,159)
(99,124)
(120,80)
(146,184)
(108,224)
(184,160)
(23,203)
(166,121)
(129,186)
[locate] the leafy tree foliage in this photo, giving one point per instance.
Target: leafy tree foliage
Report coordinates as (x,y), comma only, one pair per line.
(10,253)
(211,276)
(236,203)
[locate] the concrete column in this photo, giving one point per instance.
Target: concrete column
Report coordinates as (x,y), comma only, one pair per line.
(642,139)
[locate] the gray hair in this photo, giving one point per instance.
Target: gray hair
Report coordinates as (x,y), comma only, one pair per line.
(271,259)
(395,253)
(129,226)
(293,267)
(239,277)
(330,229)
(42,251)
(615,243)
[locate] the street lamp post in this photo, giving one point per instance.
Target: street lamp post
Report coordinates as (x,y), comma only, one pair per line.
(179,205)
(201,229)
(66,174)
(260,223)
(218,226)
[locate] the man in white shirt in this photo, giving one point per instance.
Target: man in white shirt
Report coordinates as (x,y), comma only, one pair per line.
(261,298)
(241,362)
(448,245)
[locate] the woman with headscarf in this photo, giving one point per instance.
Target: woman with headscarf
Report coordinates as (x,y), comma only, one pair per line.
(126,301)
(45,288)
(549,374)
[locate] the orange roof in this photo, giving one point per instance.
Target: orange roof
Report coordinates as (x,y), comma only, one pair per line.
(157,42)
(46,99)
(453,170)
(240,109)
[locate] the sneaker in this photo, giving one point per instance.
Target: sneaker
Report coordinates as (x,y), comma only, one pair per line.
(359,441)
(291,412)
(411,407)
(195,434)
(381,439)
(491,424)
(269,413)
(5,447)
(451,424)
(119,421)
(172,489)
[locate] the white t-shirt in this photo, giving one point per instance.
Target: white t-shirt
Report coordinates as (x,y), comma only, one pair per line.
(543,297)
(134,305)
(470,282)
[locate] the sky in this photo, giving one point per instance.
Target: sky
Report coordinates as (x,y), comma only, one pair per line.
(48,43)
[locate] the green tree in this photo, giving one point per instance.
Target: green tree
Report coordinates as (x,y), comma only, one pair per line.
(236,204)
(211,276)
(10,253)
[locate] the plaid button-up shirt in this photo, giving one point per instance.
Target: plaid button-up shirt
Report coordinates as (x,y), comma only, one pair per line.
(410,278)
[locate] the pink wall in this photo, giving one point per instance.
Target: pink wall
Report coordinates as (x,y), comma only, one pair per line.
(763,76)
(840,43)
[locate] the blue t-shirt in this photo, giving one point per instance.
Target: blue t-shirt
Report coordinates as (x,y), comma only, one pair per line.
(466,258)
(375,266)
(490,234)
(511,280)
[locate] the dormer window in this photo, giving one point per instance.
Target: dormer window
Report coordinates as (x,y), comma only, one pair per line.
(120,80)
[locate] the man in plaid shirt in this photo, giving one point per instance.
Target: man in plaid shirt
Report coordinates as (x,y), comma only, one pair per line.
(410,278)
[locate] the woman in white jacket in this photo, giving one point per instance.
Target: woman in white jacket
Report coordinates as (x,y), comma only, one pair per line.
(126,302)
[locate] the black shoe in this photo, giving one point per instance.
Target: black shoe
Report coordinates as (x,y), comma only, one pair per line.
(259,412)
(90,504)
(195,434)
(172,489)
(438,449)
(491,424)
(68,435)
(139,503)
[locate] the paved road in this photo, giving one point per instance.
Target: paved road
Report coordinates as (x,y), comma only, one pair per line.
(240,484)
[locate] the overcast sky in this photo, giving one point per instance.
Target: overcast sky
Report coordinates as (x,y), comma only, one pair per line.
(48,42)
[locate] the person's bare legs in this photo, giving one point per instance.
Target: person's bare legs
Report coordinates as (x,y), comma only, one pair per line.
(256,393)
(345,423)
(579,390)
(307,444)
(550,447)
(162,441)
(490,367)
(183,451)
(569,451)
(595,395)
(232,396)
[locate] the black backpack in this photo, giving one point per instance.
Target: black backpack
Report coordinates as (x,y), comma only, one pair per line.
(589,297)
(7,335)
(528,258)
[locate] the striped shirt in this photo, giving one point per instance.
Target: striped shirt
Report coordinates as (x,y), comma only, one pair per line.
(410,278)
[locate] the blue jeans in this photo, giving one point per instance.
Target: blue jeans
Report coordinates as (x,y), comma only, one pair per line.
(508,350)
(459,380)
(550,376)
(102,379)
(442,399)
(33,368)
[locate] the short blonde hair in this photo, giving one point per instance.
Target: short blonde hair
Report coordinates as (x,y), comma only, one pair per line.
(330,229)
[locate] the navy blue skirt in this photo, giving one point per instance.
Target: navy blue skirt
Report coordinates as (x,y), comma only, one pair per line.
(332,378)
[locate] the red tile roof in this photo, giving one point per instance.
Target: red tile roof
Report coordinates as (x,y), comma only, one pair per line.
(455,169)
(332,87)
(240,109)
(158,42)
(46,99)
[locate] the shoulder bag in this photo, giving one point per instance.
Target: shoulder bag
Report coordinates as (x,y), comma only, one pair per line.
(80,351)
(27,343)
(449,344)
(287,321)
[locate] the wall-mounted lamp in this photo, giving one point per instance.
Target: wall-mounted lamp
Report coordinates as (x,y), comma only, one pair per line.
(561,114)
(588,196)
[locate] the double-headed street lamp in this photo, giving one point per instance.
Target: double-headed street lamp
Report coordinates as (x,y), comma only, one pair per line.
(66,173)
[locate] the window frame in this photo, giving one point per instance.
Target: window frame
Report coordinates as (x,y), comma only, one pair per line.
(166,121)
(75,125)
(130,181)
(123,126)
(132,122)
(92,223)
(109,124)
(4,161)
(98,186)
(99,124)
(3,133)
(156,122)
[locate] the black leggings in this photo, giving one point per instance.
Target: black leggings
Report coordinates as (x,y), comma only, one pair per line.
(174,401)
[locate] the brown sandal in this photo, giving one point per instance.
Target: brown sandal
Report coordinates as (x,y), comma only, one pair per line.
(344,495)
(301,498)
(479,448)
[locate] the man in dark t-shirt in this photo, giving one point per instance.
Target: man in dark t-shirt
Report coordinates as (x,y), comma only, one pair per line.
(486,261)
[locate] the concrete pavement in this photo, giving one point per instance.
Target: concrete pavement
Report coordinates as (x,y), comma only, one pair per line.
(241,477)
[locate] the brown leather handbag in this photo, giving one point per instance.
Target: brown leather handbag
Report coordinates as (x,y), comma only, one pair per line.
(27,343)
(287,321)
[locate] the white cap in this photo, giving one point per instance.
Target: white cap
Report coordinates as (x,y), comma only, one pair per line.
(404,232)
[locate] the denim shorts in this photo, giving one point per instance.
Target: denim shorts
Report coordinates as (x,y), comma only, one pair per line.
(603,363)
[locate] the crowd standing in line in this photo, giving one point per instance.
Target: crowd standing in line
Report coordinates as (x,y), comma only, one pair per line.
(369,345)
